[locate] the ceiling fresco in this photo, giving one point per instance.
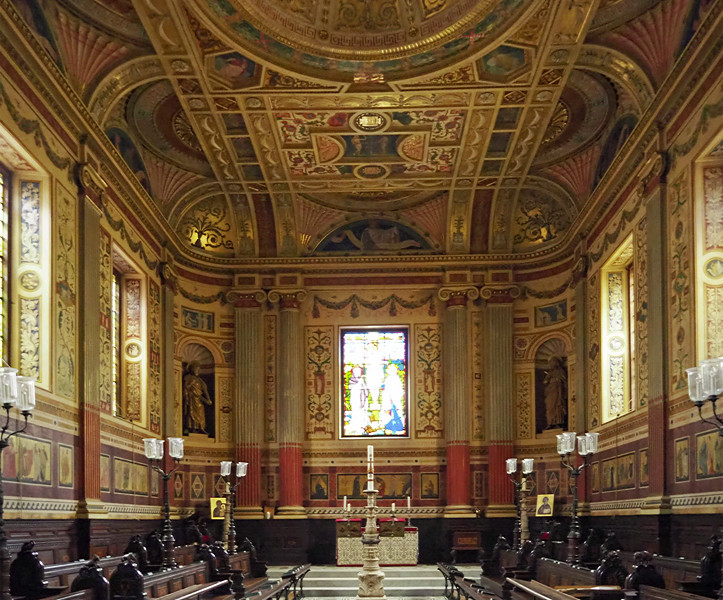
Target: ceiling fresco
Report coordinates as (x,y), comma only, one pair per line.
(289,128)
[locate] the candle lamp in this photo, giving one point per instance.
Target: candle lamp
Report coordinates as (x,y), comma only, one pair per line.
(154,453)
(15,391)
(229,522)
(586,447)
(520,532)
(705,384)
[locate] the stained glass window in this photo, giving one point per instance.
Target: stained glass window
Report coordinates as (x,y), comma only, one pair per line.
(374,383)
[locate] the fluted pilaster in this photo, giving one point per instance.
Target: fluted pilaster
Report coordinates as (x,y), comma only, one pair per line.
(291,404)
(172,400)
(659,496)
(501,399)
(249,410)
(456,392)
(91,188)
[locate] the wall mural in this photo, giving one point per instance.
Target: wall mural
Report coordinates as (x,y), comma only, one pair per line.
(130,154)
(709,455)
(373,235)
(615,140)
(389,485)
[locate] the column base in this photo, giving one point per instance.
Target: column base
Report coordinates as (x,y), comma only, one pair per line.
(459,511)
(91,509)
(496,511)
(248,512)
(290,512)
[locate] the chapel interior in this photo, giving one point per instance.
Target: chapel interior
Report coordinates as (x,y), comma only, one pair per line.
(216,214)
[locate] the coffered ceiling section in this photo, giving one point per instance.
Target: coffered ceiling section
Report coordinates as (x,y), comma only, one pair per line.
(281,128)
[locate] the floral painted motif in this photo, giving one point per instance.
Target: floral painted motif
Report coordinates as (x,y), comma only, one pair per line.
(319,382)
(428,383)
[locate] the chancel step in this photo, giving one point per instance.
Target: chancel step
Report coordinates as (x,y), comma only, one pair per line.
(421,581)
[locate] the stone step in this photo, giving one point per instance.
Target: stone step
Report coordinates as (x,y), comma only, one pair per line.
(410,583)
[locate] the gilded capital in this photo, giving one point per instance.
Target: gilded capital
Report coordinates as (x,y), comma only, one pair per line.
(245,298)
(287,298)
(169,277)
(457,296)
(501,293)
(90,182)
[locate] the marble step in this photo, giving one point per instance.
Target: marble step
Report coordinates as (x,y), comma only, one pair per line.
(411,583)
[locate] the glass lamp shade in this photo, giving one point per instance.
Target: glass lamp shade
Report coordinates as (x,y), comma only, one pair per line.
(225,468)
(582,445)
(560,451)
(241,469)
(528,465)
(153,448)
(695,385)
(592,439)
(710,374)
(8,386)
(175,448)
(568,441)
(511,465)
(26,393)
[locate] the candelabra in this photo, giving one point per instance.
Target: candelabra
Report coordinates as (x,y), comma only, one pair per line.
(229,523)
(705,384)
(586,446)
(520,532)
(18,391)
(154,452)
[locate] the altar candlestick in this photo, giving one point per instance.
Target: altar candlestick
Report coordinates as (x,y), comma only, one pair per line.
(370,485)
(344,502)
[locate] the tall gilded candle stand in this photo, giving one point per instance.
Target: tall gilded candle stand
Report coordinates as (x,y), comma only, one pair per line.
(17,391)
(705,384)
(229,517)
(371,577)
(520,532)
(154,453)
(586,446)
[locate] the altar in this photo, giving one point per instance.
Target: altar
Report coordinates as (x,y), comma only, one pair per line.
(398,543)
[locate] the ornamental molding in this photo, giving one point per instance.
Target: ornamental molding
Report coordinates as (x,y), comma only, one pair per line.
(360,511)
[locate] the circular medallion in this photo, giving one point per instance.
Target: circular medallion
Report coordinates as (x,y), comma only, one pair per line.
(369,121)
(371,171)
(30,281)
(133,350)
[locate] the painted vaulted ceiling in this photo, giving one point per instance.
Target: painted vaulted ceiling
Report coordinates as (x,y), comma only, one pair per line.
(285,128)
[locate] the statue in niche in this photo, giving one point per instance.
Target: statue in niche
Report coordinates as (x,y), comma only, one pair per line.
(195,399)
(555,383)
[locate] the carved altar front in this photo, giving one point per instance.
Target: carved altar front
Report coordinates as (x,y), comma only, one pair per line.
(398,545)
